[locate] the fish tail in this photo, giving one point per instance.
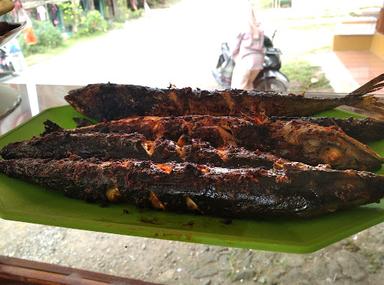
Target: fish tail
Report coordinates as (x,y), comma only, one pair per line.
(373,105)
(371,86)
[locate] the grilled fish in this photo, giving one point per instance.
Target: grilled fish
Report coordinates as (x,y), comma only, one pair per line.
(113,101)
(288,189)
(364,130)
(293,140)
(64,144)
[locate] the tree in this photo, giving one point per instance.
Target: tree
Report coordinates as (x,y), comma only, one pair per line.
(72,14)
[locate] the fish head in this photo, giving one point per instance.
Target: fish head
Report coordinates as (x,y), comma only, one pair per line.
(330,145)
(85,102)
(105,102)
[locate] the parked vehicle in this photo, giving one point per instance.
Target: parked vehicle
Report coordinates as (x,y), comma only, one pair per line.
(6,66)
(12,61)
(270,78)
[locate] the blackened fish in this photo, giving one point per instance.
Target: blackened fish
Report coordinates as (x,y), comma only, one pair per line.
(364,130)
(64,144)
(287,190)
(113,101)
(295,140)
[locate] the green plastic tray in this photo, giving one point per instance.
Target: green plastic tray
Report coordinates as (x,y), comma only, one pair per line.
(26,202)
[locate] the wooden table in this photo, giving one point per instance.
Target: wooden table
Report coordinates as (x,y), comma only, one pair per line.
(18,271)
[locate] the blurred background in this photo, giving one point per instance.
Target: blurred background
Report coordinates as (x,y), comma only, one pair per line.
(326,45)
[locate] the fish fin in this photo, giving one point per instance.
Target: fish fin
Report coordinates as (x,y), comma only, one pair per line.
(50,127)
(371,86)
(257,119)
(372,107)
(82,122)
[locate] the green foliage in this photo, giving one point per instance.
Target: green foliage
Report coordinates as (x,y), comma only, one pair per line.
(48,37)
(264,3)
(91,23)
(122,11)
(135,14)
(160,3)
(71,14)
(157,3)
(304,77)
(269,3)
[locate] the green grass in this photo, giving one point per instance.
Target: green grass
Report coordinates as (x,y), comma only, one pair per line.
(153,4)
(305,77)
(69,43)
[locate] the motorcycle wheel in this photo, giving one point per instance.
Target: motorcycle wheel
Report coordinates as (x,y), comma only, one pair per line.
(270,84)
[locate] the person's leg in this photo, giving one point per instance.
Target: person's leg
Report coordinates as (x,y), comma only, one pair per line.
(239,77)
(243,78)
(251,77)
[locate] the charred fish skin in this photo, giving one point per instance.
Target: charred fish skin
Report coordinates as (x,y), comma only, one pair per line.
(292,140)
(321,145)
(105,102)
(217,131)
(290,190)
(64,144)
(364,130)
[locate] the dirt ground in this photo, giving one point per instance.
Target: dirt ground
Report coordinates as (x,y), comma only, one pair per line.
(355,260)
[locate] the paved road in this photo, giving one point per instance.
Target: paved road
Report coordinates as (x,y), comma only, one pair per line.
(177,45)
(180,45)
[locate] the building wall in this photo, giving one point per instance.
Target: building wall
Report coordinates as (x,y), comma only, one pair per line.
(377,46)
(380,22)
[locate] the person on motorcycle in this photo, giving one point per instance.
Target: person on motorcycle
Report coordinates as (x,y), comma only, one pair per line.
(248,50)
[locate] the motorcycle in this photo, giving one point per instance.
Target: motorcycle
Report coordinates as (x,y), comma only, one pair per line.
(6,66)
(270,78)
